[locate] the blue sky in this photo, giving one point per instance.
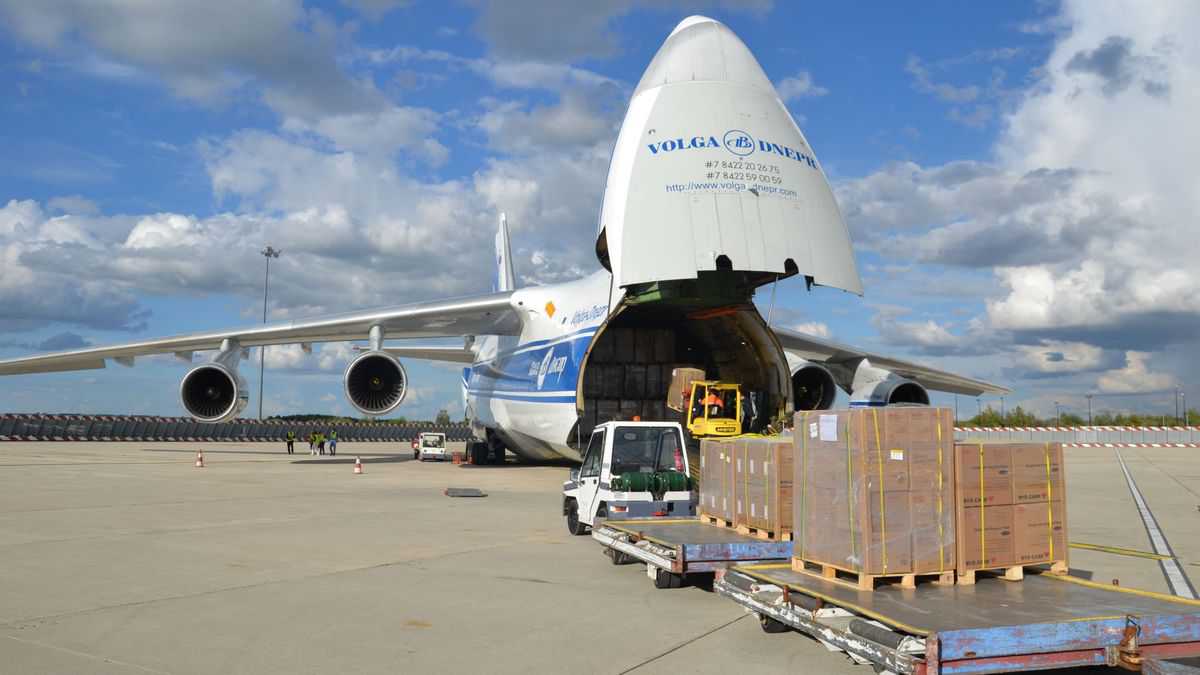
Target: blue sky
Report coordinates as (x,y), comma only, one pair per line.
(1016,177)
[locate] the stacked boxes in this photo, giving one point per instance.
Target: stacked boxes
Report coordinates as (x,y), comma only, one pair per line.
(628,373)
(875,490)
(716,478)
(748,482)
(1010,505)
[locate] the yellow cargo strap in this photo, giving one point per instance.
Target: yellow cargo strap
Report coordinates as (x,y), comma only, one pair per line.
(882,503)
(941,530)
(804,487)
(850,492)
(1049,502)
(982,515)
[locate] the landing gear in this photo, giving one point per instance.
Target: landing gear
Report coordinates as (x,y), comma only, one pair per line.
(496,449)
(478,452)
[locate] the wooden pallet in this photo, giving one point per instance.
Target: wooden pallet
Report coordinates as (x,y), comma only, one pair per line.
(765,535)
(860,581)
(1011,573)
(715,520)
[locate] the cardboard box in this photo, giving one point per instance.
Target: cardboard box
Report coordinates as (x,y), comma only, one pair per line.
(716,478)
(874,489)
(613,381)
(607,410)
(655,389)
(682,378)
(990,486)
(1037,474)
(985,537)
(1040,532)
(643,348)
(664,346)
(635,382)
(763,479)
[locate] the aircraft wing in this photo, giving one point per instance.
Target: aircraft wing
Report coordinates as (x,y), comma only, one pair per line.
(433,353)
(820,350)
(491,314)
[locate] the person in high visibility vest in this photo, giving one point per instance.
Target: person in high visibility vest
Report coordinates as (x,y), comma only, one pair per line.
(714,403)
(291,440)
(320,443)
(333,441)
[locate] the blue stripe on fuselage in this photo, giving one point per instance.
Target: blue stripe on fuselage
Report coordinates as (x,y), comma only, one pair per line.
(550,365)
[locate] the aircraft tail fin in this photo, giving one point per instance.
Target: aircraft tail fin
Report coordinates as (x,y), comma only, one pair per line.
(505,278)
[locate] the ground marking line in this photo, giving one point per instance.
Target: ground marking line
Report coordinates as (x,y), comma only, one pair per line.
(75,652)
(1177,579)
(683,644)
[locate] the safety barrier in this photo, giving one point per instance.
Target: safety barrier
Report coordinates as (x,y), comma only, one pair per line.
(1084,436)
(42,427)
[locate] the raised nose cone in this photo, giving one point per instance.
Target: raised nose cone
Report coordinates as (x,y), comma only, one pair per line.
(701,49)
(711,173)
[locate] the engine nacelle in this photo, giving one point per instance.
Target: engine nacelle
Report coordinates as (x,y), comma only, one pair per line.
(213,392)
(376,383)
(876,386)
(813,386)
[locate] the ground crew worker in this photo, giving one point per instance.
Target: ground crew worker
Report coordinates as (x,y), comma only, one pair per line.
(312,442)
(714,403)
(291,439)
(333,441)
(320,443)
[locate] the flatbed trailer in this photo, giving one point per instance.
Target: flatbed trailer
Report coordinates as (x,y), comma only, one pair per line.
(674,548)
(995,626)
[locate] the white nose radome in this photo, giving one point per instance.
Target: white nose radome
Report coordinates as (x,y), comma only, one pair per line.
(701,49)
(710,172)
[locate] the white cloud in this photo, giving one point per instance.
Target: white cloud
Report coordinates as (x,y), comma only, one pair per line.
(818,328)
(1056,356)
(799,86)
(1135,377)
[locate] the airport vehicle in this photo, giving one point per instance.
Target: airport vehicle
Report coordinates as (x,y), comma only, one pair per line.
(994,626)
(712,193)
(715,410)
(675,548)
(433,446)
(629,470)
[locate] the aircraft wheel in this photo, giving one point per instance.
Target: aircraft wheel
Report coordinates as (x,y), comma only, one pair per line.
(478,452)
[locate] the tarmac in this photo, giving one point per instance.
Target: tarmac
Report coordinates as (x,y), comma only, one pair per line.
(125,558)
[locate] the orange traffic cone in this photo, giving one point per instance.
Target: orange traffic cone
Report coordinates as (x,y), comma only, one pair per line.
(199,459)
(357,465)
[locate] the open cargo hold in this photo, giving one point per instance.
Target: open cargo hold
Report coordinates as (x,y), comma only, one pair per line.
(874,494)
(1010,508)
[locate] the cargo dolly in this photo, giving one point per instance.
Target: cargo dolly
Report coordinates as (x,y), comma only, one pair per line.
(995,626)
(673,548)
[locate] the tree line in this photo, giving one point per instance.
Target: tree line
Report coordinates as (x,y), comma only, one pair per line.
(1019,417)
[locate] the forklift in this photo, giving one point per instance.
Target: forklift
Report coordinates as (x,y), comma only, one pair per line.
(712,409)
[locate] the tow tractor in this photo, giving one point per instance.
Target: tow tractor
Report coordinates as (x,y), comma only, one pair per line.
(432,446)
(629,470)
(633,492)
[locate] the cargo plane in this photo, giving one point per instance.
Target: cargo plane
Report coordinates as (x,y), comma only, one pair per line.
(712,193)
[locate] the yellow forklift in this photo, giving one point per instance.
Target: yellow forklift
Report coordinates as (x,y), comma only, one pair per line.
(711,408)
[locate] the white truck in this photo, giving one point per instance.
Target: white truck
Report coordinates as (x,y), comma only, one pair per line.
(629,470)
(432,446)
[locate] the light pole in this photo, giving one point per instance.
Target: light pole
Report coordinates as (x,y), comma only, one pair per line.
(267,253)
(956,408)
(1057,415)
(1176,405)
(1185,410)
(1089,398)
(979,405)
(1002,418)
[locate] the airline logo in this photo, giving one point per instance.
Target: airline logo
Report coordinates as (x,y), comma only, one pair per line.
(736,141)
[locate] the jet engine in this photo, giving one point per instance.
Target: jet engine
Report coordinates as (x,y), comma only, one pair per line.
(376,383)
(813,386)
(213,392)
(877,386)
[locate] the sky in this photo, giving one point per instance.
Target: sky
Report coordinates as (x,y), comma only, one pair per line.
(1018,178)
